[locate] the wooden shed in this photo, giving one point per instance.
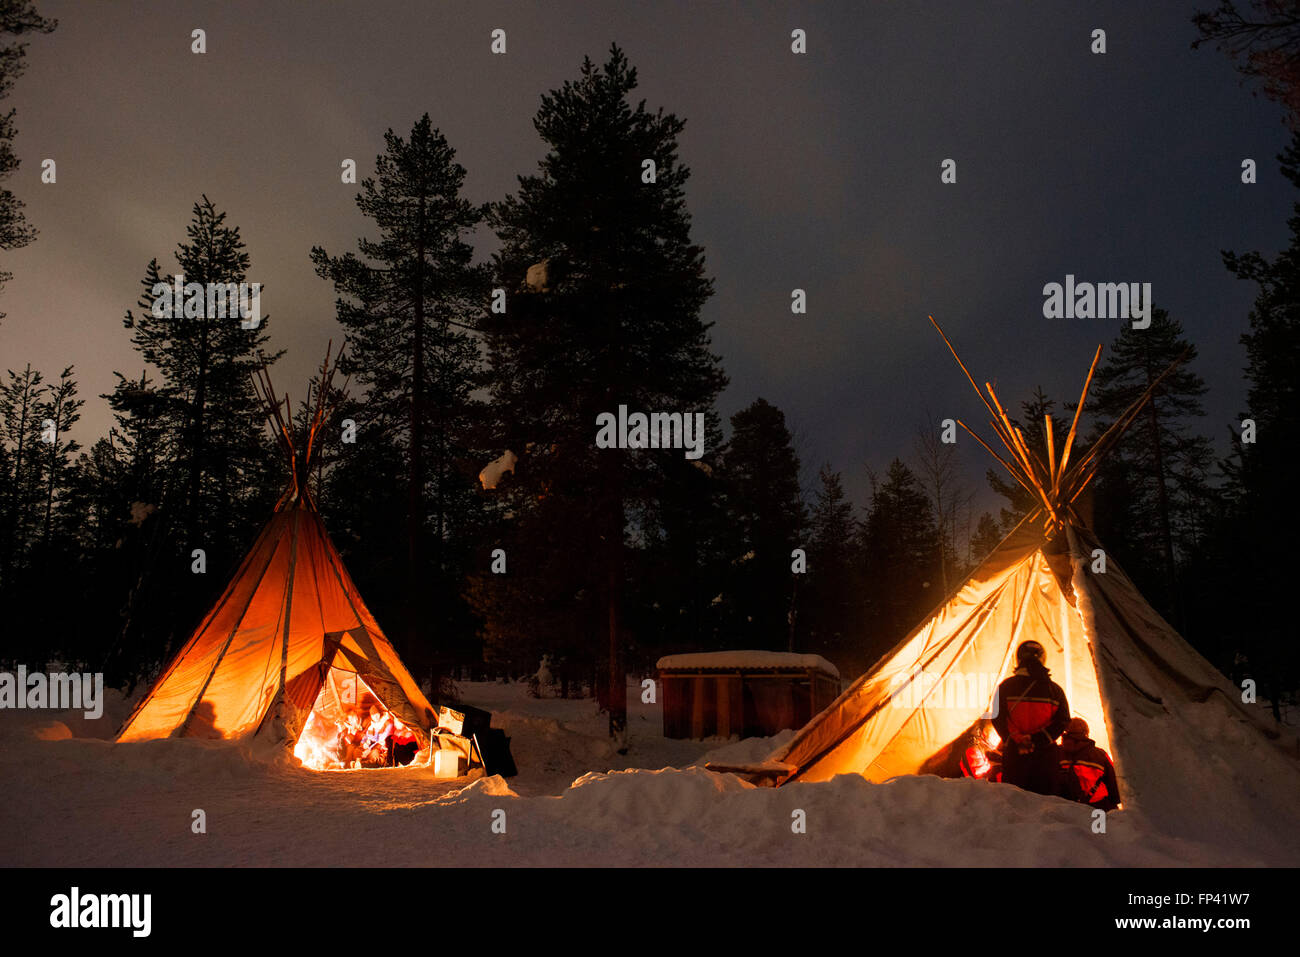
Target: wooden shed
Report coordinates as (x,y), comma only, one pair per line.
(745,693)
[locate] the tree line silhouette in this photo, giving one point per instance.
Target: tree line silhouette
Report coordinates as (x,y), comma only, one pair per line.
(612,557)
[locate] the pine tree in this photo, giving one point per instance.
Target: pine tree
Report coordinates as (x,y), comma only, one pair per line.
(680,556)
(407,301)
(1265,42)
(95,499)
(988,535)
(20,399)
(1256,531)
(58,412)
(17,18)
(140,441)
(215,425)
(605,291)
(204,452)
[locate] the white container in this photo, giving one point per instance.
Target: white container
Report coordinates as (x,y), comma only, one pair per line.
(447,764)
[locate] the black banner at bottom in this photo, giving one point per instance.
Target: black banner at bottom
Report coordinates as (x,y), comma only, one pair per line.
(122,908)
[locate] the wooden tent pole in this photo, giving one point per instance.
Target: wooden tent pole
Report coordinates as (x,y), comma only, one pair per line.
(971,380)
(1005,464)
(1074,425)
(1051,449)
(1111,435)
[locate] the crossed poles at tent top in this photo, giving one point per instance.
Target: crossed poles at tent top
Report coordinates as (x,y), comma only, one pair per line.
(1053,484)
(325,404)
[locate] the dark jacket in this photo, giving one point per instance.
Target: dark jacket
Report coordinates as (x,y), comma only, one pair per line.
(1030,707)
(1087,775)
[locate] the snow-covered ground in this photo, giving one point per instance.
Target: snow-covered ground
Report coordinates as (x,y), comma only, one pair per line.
(72,797)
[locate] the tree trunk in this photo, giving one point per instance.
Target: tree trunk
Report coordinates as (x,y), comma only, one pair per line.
(617,672)
(793,614)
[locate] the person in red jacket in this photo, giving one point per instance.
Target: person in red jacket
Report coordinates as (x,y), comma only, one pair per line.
(979,759)
(405,745)
(1086,773)
(1031,714)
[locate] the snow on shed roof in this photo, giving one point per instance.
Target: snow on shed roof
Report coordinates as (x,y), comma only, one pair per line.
(746,660)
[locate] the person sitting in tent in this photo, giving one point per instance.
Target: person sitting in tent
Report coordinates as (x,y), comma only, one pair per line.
(404,743)
(347,743)
(1031,714)
(979,757)
(1086,773)
(374,743)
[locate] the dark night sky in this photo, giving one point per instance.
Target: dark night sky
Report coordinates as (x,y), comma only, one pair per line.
(820,171)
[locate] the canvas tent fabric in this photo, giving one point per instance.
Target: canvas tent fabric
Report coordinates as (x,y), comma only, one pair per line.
(1175,726)
(287,624)
(942,677)
(1184,744)
(261,655)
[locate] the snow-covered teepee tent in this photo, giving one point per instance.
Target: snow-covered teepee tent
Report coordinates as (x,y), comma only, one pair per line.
(289,644)
(1173,723)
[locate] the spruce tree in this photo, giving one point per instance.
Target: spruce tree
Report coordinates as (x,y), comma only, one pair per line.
(900,552)
(1151,490)
(988,534)
(833,534)
(216,468)
(767,516)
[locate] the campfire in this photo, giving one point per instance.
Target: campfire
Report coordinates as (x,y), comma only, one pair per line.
(350,727)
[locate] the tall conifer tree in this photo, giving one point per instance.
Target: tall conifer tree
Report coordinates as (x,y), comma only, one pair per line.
(605,289)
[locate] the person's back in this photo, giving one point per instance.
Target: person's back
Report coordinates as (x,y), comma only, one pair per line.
(1085,772)
(405,745)
(1032,712)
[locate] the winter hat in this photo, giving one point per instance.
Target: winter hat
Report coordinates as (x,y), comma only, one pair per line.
(1077,728)
(1029,649)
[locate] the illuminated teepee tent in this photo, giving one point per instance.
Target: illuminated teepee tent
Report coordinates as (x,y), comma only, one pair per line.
(290,645)
(1147,695)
